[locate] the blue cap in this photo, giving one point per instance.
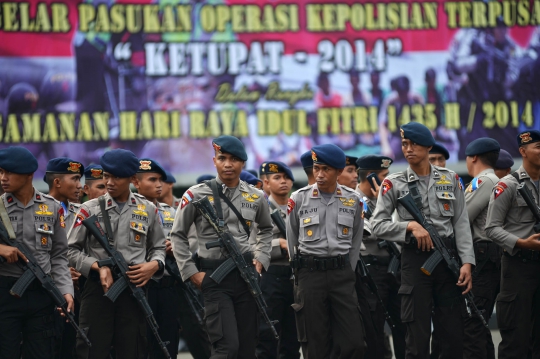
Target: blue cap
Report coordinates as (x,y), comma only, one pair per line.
(328,154)
(351,161)
(417,133)
(505,160)
(231,145)
(482,145)
(148,165)
(277,167)
(120,163)
(93,172)
(306,159)
(526,137)
(203,178)
(440,149)
(64,165)
(18,160)
(374,162)
(169,178)
(249,178)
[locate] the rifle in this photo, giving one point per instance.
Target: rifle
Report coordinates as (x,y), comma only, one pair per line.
(363,271)
(440,253)
(529,200)
(33,271)
(278,221)
(395,255)
(119,266)
(248,273)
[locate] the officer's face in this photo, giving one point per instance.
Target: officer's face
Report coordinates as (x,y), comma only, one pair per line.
(95,188)
(13,182)
(279,184)
(413,152)
(69,186)
(167,188)
(117,186)
(531,154)
(149,185)
(228,166)
(326,177)
(349,177)
(436,159)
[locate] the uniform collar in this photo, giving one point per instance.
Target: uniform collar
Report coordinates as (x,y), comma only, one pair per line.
(486,172)
(9,199)
(273,201)
(412,176)
(522,173)
(316,192)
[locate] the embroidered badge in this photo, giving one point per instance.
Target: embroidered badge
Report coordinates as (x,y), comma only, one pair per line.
(499,189)
(313,156)
(141,210)
(290,205)
(96,172)
(525,137)
(402,133)
(446,206)
(78,220)
(272,167)
(386,163)
(307,220)
(62,218)
(217,147)
(338,191)
(44,241)
(247,197)
(386,186)
(74,167)
(309,232)
(460,182)
(443,180)
(137,238)
(145,165)
(345,230)
(315,192)
(186,198)
(43,210)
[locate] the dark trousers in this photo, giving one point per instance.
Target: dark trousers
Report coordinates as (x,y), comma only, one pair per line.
(232,319)
(388,287)
(30,318)
(120,324)
(420,294)
(194,335)
(278,292)
(164,301)
(518,308)
(327,314)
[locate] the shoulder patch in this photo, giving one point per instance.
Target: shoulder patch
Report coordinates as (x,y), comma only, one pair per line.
(186,199)
(475,183)
(499,189)
(290,205)
(386,186)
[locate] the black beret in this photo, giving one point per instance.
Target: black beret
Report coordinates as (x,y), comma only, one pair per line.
(526,137)
(203,178)
(249,178)
(440,149)
(306,159)
(482,145)
(18,160)
(328,154)
(277,167)
(505,160)
(93,172)
(64,165)
(148,165)
(417,133)
(231,145)
(351,161)
(120,163)
(169,178)
(374,162)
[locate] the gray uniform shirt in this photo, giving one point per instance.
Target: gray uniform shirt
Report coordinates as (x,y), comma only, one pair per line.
(326,228)
(477,197)
(508,217)
(276,254)
(249,201)
(73,208)
(166,219)
(40,226)
(371,241)
(136,230)
(443,203)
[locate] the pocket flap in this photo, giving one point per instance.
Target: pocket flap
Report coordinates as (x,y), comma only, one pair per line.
(308,221)
(45,228)
(446,196)
(248,214)
(506,297)
(138,227)
(211,308)
(345,221)
(405,289)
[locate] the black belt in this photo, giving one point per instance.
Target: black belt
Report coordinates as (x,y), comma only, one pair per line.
(164,282)
(321,263)
(7,281)
(213,264)
(449,242)
(376,260)
(280,270)
(525,255)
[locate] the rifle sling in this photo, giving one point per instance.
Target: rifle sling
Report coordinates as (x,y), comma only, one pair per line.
(5,219)
(106,219)
(219,210)
(413,190)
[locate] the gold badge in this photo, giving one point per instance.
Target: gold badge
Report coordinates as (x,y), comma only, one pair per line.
(140,210)
(402,133)
(96,173)
(345,231)
(211,199)
(217,147)
(446,207)
(145,165)
(443,180)
(44,241)
(309,232)
(525,137)
(45,227)
(313,156)
(247,197)
(307,220)
(44,210)
(254,196)
(74,167)
(338,191)
(140,226)
(137,238)
(273,167)
(315,193)
(386,163)
(248,223)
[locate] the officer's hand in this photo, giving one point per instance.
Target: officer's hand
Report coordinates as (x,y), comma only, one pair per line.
(375,192)
(11,254)
(197,279)
(532,243)
(75,277)
(421,235)
(465,278)
(70,305)
(106,278)
(168,248)
(258,266)
(140,274)
(283,244)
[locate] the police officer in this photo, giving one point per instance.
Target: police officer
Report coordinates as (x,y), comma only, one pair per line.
(325,229)
(230,310)
(376,258)
(438,155)
(444,205)
(94,184)
(138,236)
(38,222)
(511,224)
(167,195)
(349,176)
(262,177)
(307,165)
(275,283)
(482,156)
(504,164)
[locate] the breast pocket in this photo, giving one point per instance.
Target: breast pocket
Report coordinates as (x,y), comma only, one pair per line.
(137,237)
(446,203)
(44,232)
(249,217)
(345,227)
(309,228)
(524,213)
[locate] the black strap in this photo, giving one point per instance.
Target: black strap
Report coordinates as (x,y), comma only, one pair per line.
(219,194)
(413,190)
(516,176)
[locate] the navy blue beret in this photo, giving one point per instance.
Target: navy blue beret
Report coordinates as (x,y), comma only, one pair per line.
(440,149)
(148,165)
(505,160)
(169,178)
(351,161)
(374,162)
(306,159)
(482,145)
(277,167)
(18,160)
(93,172)
(64,165)
(417,133)
(328,154)
(526,137)
(249,178)
(231,145)
(120,163)
(203,178)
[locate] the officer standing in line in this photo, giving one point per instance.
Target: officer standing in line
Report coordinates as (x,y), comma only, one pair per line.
(167,195)
(511,224)
(94,184)
(262,177)
(376,258)
(231,312)
(137,235)
(504,164)
(276,285)
(438,155)
(443,204)
(325,229)
(482,155)
(349,176)
(38,222)
(307,164)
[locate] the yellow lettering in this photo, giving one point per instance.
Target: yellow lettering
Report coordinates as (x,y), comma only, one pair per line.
(31,127)
(128,125)
(86,16)
(101,126)
(12,130)
(242,129)
(60,17)
(84,132)
(196,124)
(313,17)
(67,126)
(50,132)
(102,19)
(118,20)
(208,18)
(451,12)
(145,127)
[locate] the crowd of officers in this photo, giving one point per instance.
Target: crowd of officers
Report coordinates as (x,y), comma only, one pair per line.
(316,272)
